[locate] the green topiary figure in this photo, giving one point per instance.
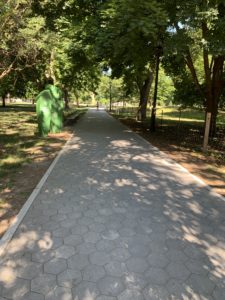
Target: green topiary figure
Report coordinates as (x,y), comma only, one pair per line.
(44,111)
(56,109)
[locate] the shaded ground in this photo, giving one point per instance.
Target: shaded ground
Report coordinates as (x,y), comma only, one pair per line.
(210,167)
(16,186)
(24,157)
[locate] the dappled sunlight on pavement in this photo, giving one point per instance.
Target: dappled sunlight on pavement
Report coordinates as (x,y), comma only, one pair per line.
(117,220)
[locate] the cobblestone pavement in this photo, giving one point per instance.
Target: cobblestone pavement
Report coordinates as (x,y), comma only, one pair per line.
(116,220)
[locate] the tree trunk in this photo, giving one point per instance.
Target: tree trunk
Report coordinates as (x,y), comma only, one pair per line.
(214,89)
(144,97)
(153,114)
(213,83)
(3,100)
(66,98)
(78,103)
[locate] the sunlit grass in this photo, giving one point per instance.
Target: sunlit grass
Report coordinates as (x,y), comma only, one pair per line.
(19,139)
(173,114)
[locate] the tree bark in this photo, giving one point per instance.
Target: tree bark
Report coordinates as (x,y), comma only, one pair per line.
(144,97)
(3,101)
(213,82)
(213,97)
(66,98)
(153,114)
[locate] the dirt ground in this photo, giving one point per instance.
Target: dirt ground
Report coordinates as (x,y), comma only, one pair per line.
(205,167)
(21,183)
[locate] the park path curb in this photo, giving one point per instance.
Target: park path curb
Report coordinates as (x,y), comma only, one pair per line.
(23,211)
(168,161)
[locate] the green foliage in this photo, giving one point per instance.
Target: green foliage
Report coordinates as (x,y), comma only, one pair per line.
(166,89)
(107,86)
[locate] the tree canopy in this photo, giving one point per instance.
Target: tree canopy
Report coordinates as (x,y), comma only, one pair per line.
(74,41)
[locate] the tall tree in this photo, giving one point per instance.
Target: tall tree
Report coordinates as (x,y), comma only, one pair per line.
(197,27)
(128,39)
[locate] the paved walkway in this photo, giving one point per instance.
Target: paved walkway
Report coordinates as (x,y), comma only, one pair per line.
(116,220)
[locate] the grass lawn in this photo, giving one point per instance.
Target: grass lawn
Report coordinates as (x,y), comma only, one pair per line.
(187,115)
(24,156)
(19,140)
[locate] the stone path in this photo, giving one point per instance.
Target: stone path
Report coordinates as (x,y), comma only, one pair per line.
(116,220)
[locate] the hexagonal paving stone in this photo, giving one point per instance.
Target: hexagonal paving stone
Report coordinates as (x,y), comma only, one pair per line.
(176,255)
(197,267)
(120,254)
(200,284)
(99,258)
(64,251)
(91,237)
(106,212)
(86,248)
(106,298)
(126,232)
(59,293)
(86,221)
(91,213)
(55,266)
(137,264)
(29,270)
(178,270)
(73,240)
(156,276)
(51,225)
(178,290)
(135,281)
(131,294)
(78,261)
(96,227)
(115,268)
(194,252)
(49,242)
(93,273)
(59,217)
(16,289)
(86,290)
(33,296)
(110,235)
(155,292)
(68,223)
(61,232)
(105,245)
(42,257)
(79,229)
(111,286)
(44,283)
(218,293)
(139,250)
(158,260)
(69,278)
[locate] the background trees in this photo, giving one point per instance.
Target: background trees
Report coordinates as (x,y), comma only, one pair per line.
(74,41)
(196,35)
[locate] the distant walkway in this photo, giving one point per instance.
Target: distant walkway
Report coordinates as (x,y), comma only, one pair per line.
(116,220)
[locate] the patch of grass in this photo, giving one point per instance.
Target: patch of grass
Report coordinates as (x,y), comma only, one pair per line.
(19,140)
